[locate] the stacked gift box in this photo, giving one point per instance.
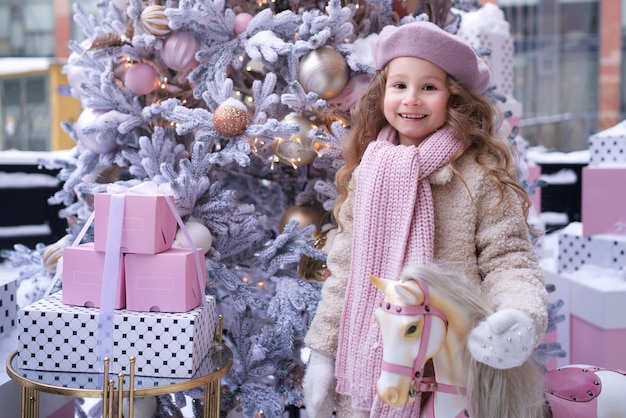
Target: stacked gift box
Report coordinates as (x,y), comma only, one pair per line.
(160,314)
(592,255)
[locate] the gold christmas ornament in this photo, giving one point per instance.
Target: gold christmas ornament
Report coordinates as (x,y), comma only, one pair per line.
(309,268)
(323,71)
(231,118)
(305,215)
(298,150)
(154,21)
(52,255)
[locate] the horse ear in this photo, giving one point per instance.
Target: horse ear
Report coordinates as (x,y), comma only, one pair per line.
(410,294)
(379,282)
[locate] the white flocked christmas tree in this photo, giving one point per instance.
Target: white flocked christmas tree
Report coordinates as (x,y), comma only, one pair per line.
(241,107)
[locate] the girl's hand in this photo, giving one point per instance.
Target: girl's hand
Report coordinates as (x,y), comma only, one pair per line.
(319,385)
(504,340)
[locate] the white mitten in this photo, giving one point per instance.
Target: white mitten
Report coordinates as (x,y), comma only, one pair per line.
(319,385)
(504,340)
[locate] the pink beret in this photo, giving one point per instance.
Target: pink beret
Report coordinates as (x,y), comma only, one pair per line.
(428,41)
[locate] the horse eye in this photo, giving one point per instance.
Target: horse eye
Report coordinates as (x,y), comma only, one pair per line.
(411,330)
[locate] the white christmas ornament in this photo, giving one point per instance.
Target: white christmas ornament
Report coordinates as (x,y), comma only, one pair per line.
(76,76)
(199,233)
(105,140)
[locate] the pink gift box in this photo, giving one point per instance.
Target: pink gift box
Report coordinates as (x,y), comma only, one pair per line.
(594,345)
(164,282)
(148,227)
(604,200)
(534,173)
(83,268)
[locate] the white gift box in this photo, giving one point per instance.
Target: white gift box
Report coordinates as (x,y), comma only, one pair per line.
(577,250)
(608,147)
(8,305)
(487,28)
(58,337)
(597,324)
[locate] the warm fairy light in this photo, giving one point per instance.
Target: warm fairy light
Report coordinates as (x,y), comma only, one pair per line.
(249,99)
(244,279)
(241,58)
(184,101)
(260,285)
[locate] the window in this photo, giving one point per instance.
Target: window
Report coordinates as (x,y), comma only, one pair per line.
(25,113)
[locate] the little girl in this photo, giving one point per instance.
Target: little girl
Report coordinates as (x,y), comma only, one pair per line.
(426,181)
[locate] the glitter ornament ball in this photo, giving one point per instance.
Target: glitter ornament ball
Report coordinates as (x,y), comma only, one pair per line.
(141,79)
(179,50)
(231,118)
(323,71)
(298,150)
(154,21)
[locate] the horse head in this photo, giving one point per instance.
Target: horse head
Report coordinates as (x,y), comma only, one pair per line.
(413,331)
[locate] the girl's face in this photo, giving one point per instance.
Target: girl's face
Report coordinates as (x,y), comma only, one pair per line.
(416,98)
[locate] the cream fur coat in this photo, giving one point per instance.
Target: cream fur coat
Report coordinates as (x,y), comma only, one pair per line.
(489,245)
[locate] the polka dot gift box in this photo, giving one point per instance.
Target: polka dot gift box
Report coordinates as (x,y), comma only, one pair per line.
(608,148)
(8,305)
(54,336)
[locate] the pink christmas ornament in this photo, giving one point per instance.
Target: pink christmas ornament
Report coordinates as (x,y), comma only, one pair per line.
(179,51)
(141,79)
(241,22)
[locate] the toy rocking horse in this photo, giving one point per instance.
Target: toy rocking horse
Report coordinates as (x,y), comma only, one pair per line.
(428,315)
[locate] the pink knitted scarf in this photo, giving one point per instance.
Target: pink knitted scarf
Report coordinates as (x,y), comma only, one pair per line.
(393,226)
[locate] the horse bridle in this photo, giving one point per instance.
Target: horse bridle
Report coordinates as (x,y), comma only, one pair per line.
(420,383)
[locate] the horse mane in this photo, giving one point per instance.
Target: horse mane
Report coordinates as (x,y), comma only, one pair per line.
(503,393)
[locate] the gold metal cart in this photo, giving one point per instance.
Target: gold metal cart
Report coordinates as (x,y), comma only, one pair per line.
(113,391)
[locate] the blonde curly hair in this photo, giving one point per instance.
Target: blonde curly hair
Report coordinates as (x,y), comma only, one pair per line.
(472,118)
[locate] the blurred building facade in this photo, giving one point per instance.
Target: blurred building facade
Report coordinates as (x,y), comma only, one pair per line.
(568,70)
